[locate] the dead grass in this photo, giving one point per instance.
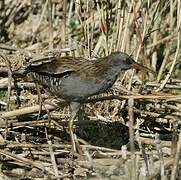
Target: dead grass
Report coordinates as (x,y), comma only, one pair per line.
(134,134)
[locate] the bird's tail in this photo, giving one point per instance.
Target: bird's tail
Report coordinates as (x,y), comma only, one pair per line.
(4,71)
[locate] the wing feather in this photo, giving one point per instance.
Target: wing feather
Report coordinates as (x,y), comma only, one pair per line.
(58,66)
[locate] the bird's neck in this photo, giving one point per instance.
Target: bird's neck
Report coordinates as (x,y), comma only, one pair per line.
(105,68)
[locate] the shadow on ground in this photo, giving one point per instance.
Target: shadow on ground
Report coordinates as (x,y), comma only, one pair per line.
(105,134)
(99,133)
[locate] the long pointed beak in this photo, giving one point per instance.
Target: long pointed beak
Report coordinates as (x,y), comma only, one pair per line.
(142,68)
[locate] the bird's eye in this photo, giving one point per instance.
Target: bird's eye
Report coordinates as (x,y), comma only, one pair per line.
(129,60)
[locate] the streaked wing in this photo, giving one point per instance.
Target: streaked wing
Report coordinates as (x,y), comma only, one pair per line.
(58,65)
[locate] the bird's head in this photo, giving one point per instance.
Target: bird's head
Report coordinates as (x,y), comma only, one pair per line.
(125,62)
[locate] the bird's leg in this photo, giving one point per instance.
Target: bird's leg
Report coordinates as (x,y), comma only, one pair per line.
(39,99)
(74,106)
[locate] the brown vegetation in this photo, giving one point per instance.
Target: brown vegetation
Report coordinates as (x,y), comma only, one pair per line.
(133,134)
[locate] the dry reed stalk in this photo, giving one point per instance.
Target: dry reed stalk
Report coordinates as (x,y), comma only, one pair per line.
(145,29)
(131,136)
(177,49)
(64,23)
(50,21)
(176,158)
(52,155)
(160,153)
(27,110)
(125,33)
(35,29)
(23,160)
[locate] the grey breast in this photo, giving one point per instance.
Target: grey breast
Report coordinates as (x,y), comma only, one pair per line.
(72,88)
(77,88)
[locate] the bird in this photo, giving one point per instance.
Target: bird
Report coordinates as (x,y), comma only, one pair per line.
(75,79)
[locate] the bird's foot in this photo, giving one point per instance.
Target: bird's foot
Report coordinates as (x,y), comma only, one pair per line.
(76,149)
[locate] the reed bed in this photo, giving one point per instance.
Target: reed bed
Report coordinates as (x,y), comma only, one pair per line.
(132,131)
